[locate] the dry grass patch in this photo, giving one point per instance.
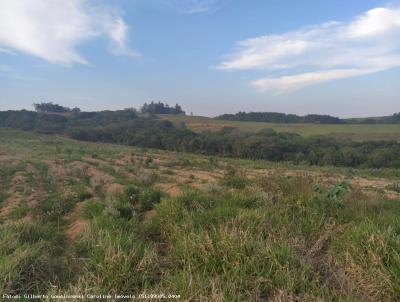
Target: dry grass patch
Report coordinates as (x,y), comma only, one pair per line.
(76,224)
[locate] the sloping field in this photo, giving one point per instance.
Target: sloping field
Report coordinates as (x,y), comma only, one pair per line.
(354,132)
(87,218)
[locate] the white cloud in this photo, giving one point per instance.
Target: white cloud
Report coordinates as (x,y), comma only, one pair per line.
(53,29)
(326,52)
(377,21)
(286,83)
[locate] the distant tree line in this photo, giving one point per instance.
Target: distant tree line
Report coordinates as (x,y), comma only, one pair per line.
(268,117)
(161,108)
(392,119)
(129,128)
(151,108)
(276,117)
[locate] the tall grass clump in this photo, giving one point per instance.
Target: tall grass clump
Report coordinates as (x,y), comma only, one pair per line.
(116,260)
(31,258)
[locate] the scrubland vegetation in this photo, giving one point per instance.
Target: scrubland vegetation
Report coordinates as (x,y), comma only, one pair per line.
(84,218)
(128,127)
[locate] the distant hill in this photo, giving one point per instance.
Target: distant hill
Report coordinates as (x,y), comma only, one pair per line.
(277,117)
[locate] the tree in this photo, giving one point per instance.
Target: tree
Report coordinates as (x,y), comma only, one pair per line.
(161,108)
(50,107)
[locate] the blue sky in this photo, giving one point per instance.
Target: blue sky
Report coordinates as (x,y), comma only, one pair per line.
(211,56)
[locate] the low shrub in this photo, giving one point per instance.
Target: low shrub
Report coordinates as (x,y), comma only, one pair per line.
(132,193)
(235,181)
(83,195)
(149,198)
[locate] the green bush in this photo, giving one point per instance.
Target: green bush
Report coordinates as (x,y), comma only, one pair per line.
(235,181)
(132,193)
(125,210)
(150,197)
(93,208)
(83,195)
(54,207)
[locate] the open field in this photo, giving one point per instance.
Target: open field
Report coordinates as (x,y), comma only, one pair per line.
(87,218)
(354,132)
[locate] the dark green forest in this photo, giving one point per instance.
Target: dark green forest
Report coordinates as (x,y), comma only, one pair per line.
(128,127)
(276,117)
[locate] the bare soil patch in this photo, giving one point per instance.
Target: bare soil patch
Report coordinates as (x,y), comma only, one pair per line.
(393,195)
(149,214)
(202,175)
(195,176)
(199,126)
(95,161)
(171,188)
(121,162)
(15,196)
(115,189)
(76,224)
(375,183)
(58,170)
(7,158)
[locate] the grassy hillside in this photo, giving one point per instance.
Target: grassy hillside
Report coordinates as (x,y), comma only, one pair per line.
(88,218)
(354,132)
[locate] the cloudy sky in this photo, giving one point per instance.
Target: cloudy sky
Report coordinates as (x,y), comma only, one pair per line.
(212,56)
